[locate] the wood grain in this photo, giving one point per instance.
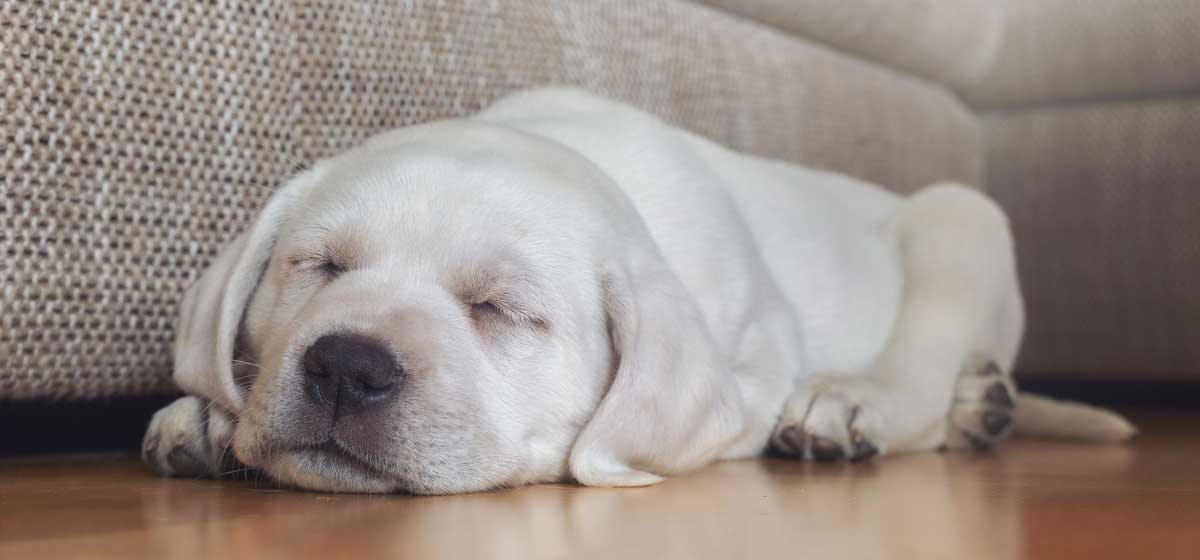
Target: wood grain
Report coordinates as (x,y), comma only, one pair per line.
(1029,500)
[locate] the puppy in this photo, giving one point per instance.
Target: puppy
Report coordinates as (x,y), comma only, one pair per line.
(565,288)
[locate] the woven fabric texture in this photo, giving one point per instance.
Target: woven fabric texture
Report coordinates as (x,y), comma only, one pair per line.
(1103,199)
(140,137)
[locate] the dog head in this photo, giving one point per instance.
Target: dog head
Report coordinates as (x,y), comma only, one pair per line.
(454,307)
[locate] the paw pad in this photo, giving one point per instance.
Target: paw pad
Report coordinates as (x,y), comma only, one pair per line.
(863,449)
(982,413)
(999,395)
(995,422)
(824,449)
(794,441)
(184,463)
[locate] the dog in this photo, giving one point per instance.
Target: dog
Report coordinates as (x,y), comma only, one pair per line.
(564,288)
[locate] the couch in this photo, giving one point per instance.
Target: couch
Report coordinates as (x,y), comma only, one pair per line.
(140,137)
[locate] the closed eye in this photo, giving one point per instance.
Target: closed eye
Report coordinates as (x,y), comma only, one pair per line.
(330,269)
(321,264)
(504,294)
(482,310)
(488,310)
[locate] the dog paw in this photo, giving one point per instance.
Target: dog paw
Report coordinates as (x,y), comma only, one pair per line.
(981,414)
(186,438)
(830,418)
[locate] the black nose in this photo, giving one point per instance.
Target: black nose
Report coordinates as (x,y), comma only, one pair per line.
(349,372)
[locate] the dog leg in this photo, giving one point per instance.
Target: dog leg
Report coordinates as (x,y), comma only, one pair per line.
(189,437)
(941,379)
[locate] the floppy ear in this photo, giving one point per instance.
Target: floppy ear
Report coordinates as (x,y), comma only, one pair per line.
(673,405)
(213,307)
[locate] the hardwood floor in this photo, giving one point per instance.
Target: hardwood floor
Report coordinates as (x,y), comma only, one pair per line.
(1032,499)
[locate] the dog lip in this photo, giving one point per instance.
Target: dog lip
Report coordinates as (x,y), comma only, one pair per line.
(326,467)
(331,451)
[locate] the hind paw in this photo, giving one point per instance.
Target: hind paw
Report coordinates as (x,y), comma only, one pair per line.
(981,415)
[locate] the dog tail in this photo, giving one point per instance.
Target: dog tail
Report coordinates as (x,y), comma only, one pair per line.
(1044,417)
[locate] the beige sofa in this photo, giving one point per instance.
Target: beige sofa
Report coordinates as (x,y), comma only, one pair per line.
(138,139)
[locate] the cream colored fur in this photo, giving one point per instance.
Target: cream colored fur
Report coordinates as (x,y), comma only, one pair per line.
(654,302)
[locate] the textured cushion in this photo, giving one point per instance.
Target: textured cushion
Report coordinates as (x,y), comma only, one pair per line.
(1059,50)
(1001,53)
(952,41)
(1104,200)
(140,138)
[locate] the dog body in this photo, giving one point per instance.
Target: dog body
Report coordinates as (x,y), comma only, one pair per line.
(793,270)
(563,287)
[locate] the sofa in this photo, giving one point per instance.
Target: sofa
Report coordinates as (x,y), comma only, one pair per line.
(140,137)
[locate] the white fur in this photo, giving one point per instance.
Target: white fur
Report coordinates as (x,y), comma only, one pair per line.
(667,302)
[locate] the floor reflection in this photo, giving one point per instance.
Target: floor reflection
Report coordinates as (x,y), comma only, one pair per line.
(1030,499)
(743,509)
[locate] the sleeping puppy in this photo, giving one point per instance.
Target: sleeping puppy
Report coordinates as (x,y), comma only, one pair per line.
(565,288)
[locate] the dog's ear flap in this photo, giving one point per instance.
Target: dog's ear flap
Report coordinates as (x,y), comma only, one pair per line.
(673,404)
(213,307)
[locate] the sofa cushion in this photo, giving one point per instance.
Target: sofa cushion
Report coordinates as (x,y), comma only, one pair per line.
(951,41)
(140,138)
(1104,199)
(1003,53)
(1071,50)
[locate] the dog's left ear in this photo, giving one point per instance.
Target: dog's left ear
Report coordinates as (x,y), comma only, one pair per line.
(213,306)
(673,404)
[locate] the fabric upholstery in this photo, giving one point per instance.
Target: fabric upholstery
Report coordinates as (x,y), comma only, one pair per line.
(1104,201)
(140,137)
(1007,53)
(1080,50)
(950,41)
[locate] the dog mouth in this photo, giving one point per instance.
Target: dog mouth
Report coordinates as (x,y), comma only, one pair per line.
(330,467)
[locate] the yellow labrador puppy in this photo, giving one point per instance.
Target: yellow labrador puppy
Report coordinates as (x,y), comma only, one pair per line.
(565,288)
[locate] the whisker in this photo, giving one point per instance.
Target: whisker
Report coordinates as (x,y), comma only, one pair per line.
(197,428)
(224,453)
(252,184)
(294,162)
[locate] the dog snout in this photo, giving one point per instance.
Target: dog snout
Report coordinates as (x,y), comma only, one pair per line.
(349,372)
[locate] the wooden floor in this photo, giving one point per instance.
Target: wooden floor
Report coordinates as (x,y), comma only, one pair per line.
(1030,500)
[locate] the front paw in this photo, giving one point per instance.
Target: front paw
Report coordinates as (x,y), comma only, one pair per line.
(187,438)
(831,418)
